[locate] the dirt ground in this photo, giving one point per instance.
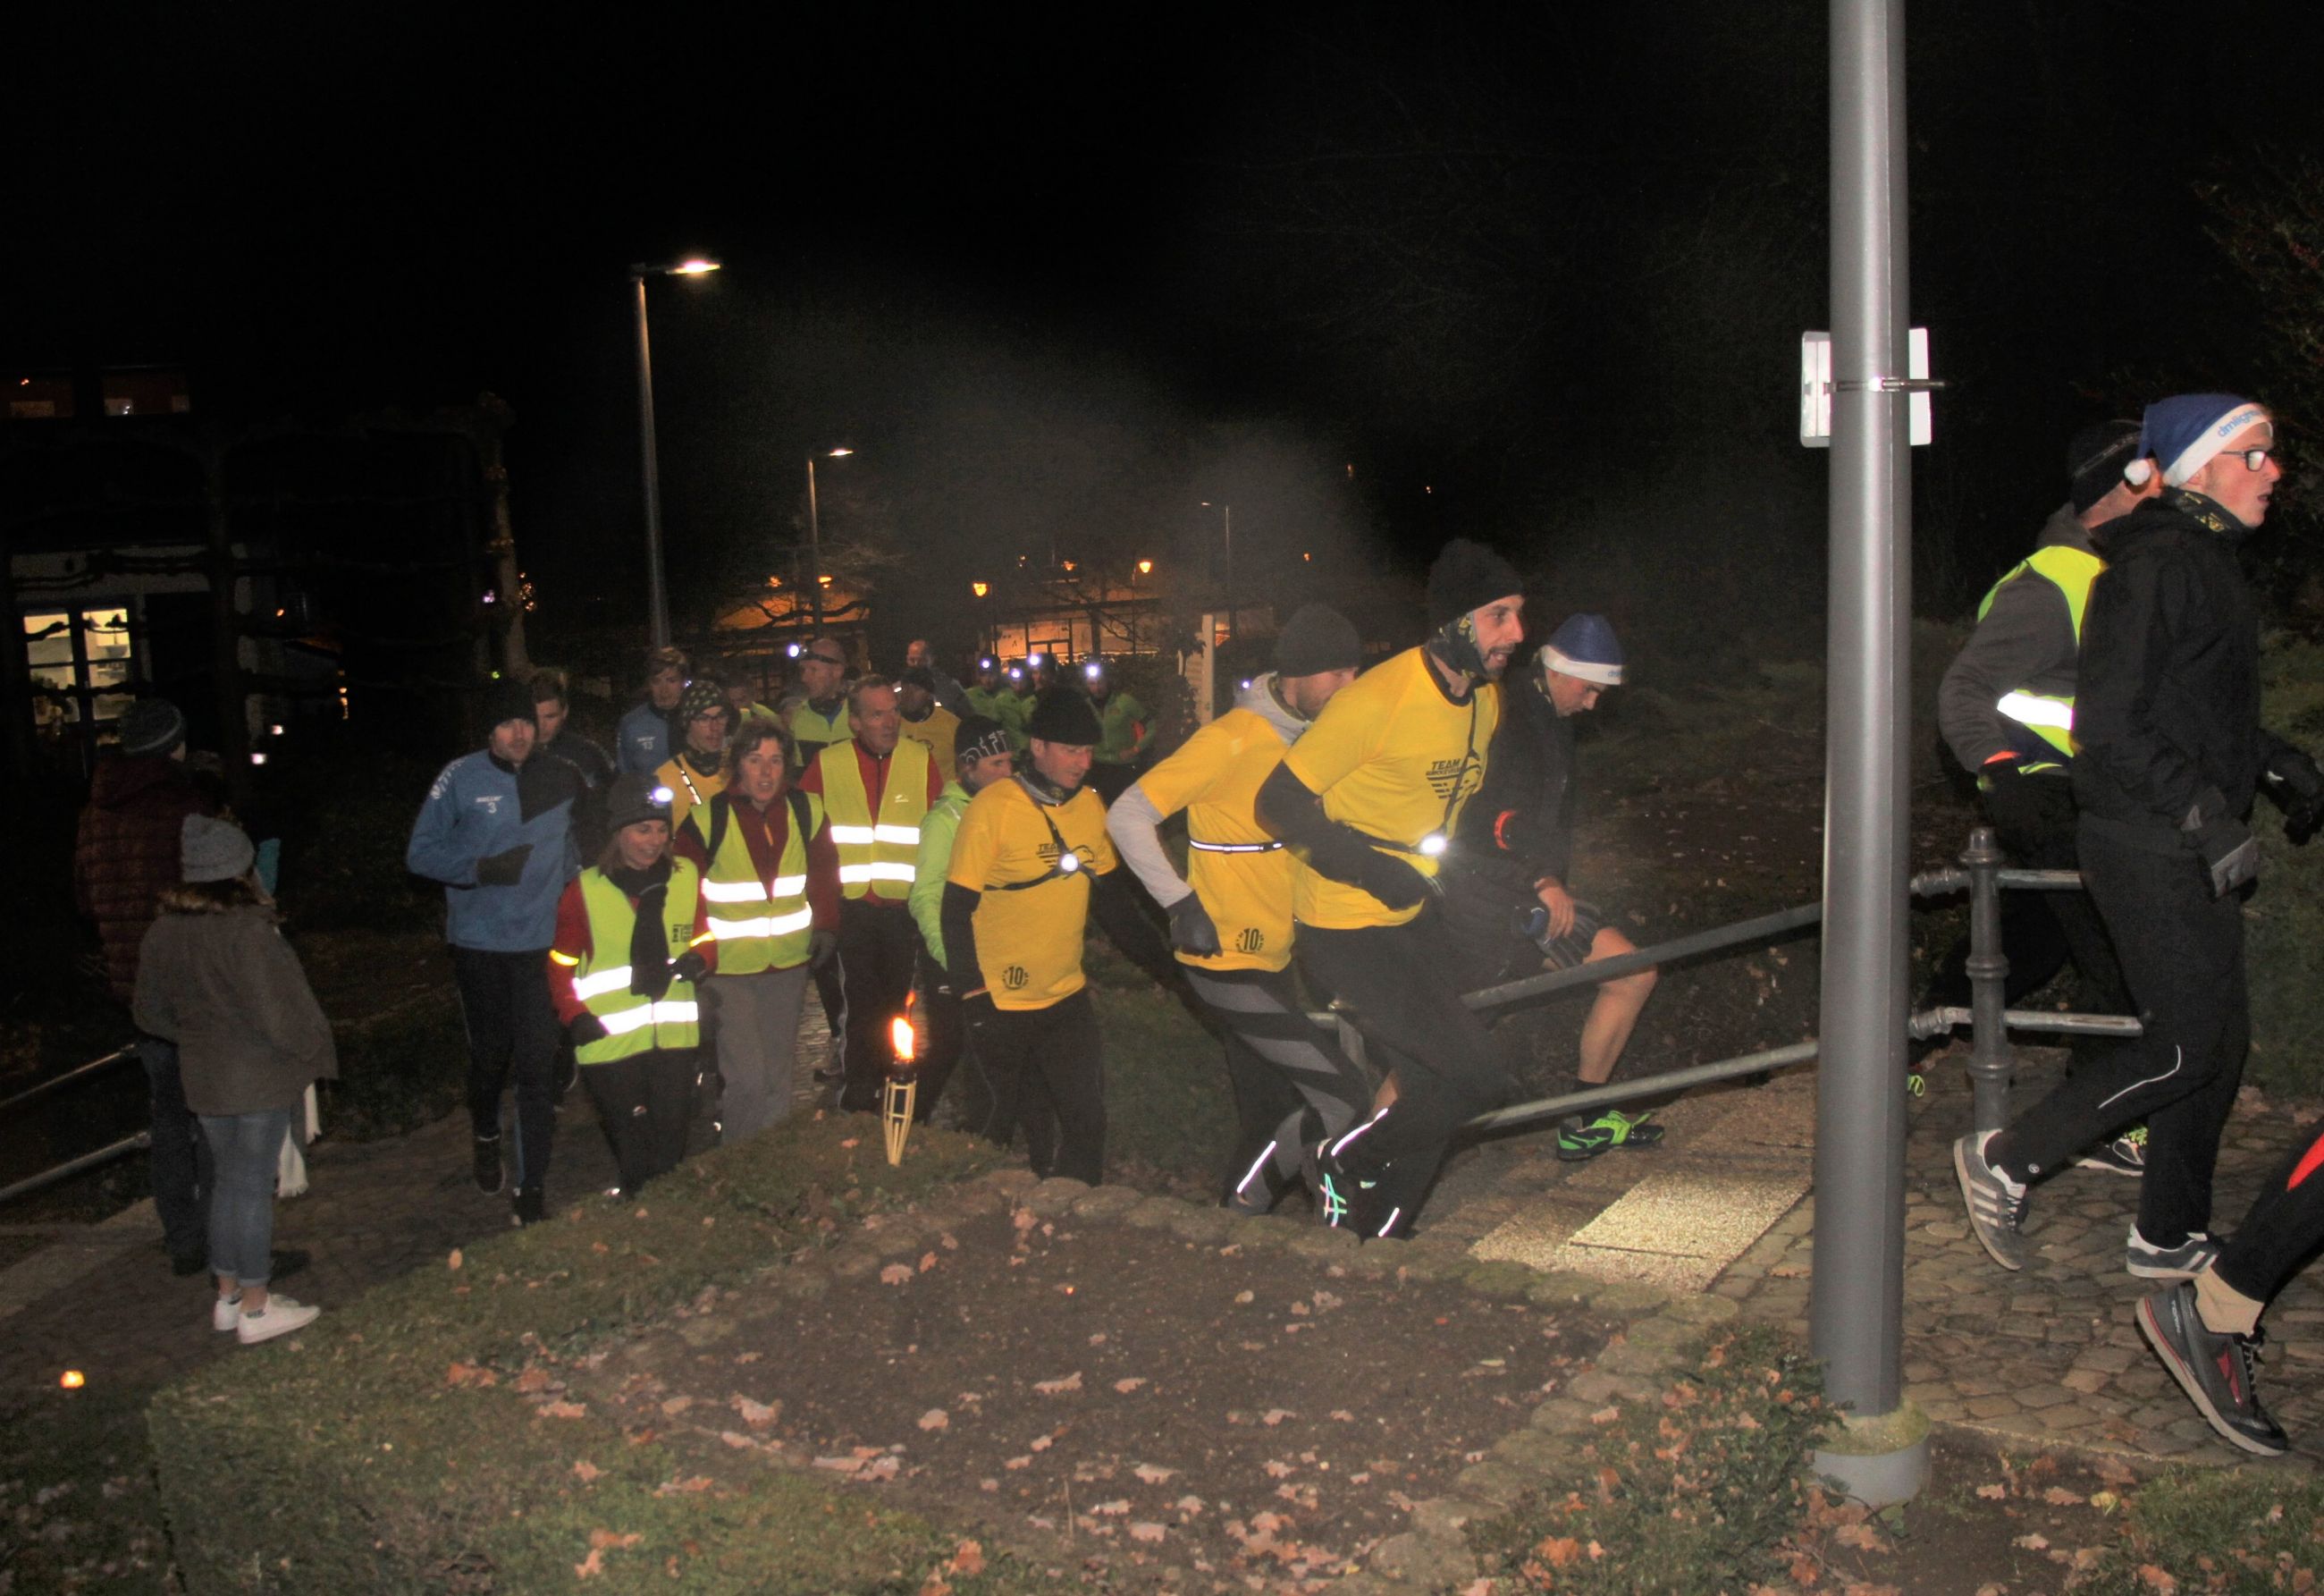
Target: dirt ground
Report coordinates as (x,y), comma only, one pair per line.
(1117,1406)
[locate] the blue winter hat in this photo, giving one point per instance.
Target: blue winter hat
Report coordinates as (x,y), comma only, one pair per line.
(1583,647)
(2184,432)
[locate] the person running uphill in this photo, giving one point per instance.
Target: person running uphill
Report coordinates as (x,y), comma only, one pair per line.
(1231,916)
(1369,796)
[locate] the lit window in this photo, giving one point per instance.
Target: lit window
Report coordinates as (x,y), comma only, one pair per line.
(82,667)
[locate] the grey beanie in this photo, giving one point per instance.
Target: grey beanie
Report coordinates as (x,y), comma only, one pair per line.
(153,725)
(214,850)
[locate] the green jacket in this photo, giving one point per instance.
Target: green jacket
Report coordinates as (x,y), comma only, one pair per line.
(927,896)
(1122,732)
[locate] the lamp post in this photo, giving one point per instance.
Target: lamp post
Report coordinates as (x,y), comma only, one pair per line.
(1226,517)
(815,541)
(657,603)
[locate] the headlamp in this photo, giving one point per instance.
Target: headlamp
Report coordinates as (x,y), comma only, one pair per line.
(791,650)
(1033,660)
(1068,861)
(660,795)
(1092,670)
(1016,674)
(1431,845)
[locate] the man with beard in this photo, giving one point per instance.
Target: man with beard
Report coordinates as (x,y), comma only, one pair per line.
(1369,797)
(2170,753)
(877,787)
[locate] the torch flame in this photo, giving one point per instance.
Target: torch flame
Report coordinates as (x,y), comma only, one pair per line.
(899,1034)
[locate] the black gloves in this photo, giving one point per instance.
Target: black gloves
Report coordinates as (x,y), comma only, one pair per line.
(1191,930)
(2230,856)
(820,947)
(585,1028)
(1342,854)
(2016,804)
(690,966)
(2294,781)
(502,869)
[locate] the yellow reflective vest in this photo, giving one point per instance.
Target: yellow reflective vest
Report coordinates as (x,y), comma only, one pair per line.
(2049,716)
(877,852)
(757,925)
(634,1023)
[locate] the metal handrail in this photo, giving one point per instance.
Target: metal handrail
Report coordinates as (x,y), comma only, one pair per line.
(118,1055)
(104,1154)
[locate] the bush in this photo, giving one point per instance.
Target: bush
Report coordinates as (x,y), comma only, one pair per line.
(356,1465)
(1692,1493)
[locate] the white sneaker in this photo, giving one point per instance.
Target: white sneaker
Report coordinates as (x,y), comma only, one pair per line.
(281,1316)
(226,1311)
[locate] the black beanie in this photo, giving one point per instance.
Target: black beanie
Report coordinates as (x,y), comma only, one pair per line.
(1467,577)
(509,699)
(1316,638)
(1061,715)
(2094,459)
(979,736)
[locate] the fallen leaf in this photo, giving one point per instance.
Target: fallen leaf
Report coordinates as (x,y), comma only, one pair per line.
(927,1262)
(934,1418)
(591,1566)
(587,1471)
(1153,1473)
(1276,1415)
(1992,1493)
(1112,1510)
(757,1414)
(1190,1504)
(1148,1533)
(851,1141)
(1018,1463)
(455,1259)
(676,1406)
(1244,1297)
(1127,1386)
(534,1379)
(691,1485)
(896,1274)
(2057,1496)
(1041,1443)
(469,1374)
(564,1410)
(2158,1580)
(1343,1416)
(968,1558)
(1051,1387)
(600,1539)
(1276,1469)
(2032,1543)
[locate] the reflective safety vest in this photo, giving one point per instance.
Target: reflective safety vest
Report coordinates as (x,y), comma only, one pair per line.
(634,1023)
(2049,716)
(760,925)
(876,851)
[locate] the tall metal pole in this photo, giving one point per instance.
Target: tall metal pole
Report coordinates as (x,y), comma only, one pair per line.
(1228,511)
(657,604)
(1856,1309)
(813,553)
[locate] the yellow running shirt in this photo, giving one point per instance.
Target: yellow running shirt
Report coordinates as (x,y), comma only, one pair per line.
(1238,871)
(1394,758)
(936,735)
(1030,918)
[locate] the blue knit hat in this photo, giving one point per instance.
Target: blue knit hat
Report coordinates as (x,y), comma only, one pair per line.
(1583,647)
(2184,432)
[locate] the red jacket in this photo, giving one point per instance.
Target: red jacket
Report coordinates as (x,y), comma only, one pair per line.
(127,852)
(873,768)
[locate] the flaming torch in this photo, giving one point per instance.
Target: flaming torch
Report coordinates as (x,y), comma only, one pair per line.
(903,1084)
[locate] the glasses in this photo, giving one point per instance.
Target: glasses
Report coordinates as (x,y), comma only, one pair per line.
(2253,459)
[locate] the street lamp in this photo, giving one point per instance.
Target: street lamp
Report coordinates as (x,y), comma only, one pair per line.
(657,603)
(815,540)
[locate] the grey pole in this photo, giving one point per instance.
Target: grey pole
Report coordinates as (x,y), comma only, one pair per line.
(1855,1308)
(656,606)
(1991,1059)
(813,553)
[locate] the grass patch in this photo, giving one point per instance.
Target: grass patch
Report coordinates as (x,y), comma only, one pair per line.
(1169,1110)
(2284,919)
(399,1070)
(2243,1529)
(392,1450)
(1693,1493)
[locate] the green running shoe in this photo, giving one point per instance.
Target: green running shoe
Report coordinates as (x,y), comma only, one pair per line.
(1577,1142)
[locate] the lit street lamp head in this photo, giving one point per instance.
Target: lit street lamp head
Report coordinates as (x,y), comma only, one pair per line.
(692,266)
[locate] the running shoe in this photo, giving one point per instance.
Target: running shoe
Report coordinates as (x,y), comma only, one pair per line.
(1577,1141)
(1995,1203)
(2125,1154)
(487,1162)
(2220,1373)
(2188,1259)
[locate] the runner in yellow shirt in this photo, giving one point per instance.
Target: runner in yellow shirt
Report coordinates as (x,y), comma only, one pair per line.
(1231,915)
(1369,797)
(1030,863)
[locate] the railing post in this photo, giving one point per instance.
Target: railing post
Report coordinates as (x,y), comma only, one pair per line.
(1991,1061)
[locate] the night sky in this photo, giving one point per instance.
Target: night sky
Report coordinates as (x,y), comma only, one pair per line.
(1534,277)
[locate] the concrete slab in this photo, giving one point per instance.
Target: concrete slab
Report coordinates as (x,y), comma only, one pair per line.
(1696,1213)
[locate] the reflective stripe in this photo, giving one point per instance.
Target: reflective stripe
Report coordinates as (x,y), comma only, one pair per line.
(2031,709)
(781,925)
(909,835)
(854,835)
(646,1014)
(613,977)
(877,871)
(789,886)
(1232,847)
(735,891)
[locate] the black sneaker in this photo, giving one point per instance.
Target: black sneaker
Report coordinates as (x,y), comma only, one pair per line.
(531,1205)
(2125,1154)
(1577,1141)
(489,1178)
(2218,1372)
